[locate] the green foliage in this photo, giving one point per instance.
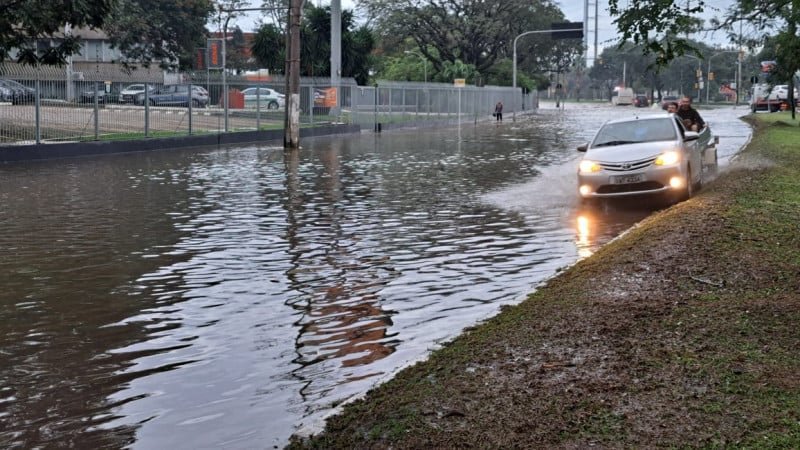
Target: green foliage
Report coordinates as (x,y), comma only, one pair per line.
(678,75)
(269,45)
(478,33)
(159,31)
(23,22)
(236,57)
(269,48)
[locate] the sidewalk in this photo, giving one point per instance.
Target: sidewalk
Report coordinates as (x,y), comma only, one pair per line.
(683,332)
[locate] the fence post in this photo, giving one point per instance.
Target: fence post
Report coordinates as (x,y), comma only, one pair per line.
(38,132)
(313,102)
(375,119)
(146,109)
(191,100)
(258,108)
(96,112)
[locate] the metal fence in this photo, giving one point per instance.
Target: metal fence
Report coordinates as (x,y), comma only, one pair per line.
(54,110)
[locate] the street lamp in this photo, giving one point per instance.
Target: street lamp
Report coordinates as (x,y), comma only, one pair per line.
(424,62)
(708,72)
(697,77)
(514,69)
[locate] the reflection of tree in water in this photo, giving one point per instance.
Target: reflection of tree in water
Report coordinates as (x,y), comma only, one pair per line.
(336,279)
(346,322)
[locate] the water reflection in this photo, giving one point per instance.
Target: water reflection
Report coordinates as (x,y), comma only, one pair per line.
(584,243)
(224,298)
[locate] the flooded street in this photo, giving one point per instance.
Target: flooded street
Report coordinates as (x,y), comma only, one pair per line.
(226,298)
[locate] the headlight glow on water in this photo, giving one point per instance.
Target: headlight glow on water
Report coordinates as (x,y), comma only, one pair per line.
(668,158)
(588,166)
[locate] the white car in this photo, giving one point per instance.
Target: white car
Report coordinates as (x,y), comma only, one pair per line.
(129,94)
(262,96)
(645,156)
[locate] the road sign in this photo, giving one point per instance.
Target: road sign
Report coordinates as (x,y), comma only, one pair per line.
(566,30)
(460,82)
(214,53)
(200,59)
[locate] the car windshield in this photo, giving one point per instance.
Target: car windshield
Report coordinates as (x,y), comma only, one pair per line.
(633,132)
(12,83)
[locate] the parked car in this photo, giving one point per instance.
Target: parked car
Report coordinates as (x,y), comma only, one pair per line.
(128,95)
(645,156)
(270,98)
(641,101)
(19,92)
(667,99)
(5,94)
(176,95)
(103,97)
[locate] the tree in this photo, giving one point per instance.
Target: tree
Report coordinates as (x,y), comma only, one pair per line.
(476,32)
(237,57)
(165,32)
(357,45)
(23,23)
(269,48)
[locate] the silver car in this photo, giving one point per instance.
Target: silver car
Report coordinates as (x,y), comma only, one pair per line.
(262,96)
(645,156)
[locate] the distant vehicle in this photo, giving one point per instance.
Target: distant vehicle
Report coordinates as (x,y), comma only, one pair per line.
(765,99)
(667,99)
(176,95)
(5,94)
(641,101)
(19,93)
(255,96)
(622,96)
(129,94)
(102,96)
(645,156)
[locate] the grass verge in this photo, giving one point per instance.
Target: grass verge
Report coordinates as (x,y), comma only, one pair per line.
(682,333)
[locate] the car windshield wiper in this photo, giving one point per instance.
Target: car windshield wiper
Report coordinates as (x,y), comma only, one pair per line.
(605,144)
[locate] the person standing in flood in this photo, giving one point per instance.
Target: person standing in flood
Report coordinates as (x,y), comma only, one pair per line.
(498,111)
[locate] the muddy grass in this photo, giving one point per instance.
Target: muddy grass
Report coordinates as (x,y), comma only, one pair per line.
(685,332)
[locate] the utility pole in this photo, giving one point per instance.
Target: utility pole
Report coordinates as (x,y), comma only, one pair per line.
(336,52)
(291,138)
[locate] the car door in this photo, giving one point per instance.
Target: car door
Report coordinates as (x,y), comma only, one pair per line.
(693,150)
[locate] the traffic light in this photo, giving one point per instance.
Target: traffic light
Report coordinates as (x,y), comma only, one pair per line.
(699,73)
(710,76)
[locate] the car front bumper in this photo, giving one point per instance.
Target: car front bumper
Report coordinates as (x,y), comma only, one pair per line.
(648,181)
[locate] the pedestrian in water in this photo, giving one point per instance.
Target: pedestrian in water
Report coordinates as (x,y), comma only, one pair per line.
(498,111)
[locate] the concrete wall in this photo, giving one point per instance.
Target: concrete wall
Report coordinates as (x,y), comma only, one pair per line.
(75,149)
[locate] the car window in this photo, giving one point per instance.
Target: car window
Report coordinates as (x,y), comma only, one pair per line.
(634,132)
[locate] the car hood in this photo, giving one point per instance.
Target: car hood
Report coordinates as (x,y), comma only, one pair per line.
(630,152)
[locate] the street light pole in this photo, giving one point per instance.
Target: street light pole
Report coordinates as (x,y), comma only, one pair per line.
(424,63)
(514,64)
(699,70)
(708,72)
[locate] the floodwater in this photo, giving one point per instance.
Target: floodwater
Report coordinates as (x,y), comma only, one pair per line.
(226,298)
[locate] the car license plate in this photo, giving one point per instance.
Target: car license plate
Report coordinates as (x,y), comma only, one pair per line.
(626,179)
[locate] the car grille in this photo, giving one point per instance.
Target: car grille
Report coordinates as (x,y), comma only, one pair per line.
(627,165)
(633,187)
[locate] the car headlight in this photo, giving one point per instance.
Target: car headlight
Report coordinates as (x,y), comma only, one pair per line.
(668,158)
(588,166)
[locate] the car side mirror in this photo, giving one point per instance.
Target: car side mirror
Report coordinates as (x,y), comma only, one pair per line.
(583,147)
(691,136)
